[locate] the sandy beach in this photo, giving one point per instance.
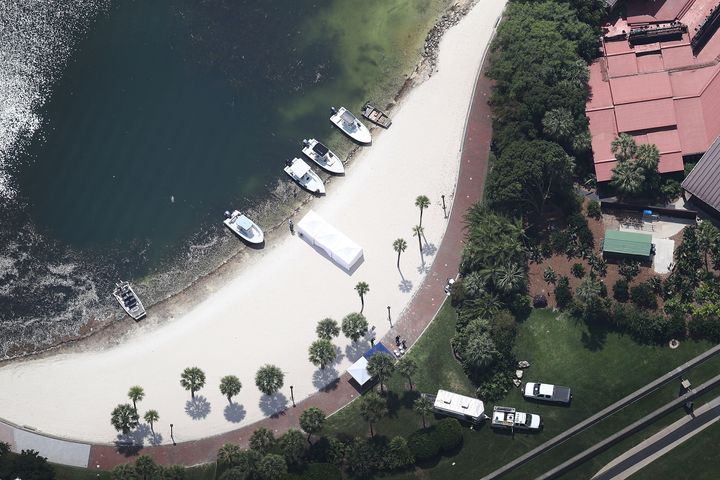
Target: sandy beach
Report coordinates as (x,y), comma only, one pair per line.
(267,313)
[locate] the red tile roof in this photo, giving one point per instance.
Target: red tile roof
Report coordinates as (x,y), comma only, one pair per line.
(659,93)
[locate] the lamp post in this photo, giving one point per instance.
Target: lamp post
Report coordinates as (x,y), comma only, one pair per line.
(389,317)
(292,396)
(443,201)
(171,435)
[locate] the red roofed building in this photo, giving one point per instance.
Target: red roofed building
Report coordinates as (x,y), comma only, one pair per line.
(659,81)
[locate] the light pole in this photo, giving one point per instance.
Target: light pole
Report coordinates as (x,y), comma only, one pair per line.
(171,435)
(292,396)
(389,317)
(443,200)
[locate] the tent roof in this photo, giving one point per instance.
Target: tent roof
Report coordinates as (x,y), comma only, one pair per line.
(627,243)
(358,371)
(378,348)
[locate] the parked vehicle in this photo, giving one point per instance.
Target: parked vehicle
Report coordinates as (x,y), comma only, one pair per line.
(508,417)
(458,406)
(547,392)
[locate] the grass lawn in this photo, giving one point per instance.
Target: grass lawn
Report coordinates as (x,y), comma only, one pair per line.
(600,367)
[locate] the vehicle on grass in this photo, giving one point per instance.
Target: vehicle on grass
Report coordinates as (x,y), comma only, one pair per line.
(547,393)
(509,418)
(459,406)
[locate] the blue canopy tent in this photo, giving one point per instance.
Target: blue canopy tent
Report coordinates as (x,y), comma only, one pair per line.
(358,370)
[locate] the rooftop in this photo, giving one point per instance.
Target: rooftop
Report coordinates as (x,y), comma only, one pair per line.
(704,180)
(627,243)
(657,91)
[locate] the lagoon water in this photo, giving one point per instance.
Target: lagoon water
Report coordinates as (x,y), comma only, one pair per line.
(163,115)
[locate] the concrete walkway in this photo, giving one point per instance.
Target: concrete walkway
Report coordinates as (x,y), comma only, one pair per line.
(662,442)
(416,318)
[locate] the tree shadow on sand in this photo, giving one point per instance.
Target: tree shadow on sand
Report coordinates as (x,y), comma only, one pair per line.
(405,286)
(234,413)
(273,405)
(326,379)
(423,267)
(155,438)
(197,408)
(131,443)
(429,249)
(356,349)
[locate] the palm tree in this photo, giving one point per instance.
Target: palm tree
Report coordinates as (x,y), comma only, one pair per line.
(327,328)
(146,468)
(422,202)
(623,147)
(423,407)
(399,245)
(151,416)
(558,123)
(588,290)
(124,418)
(381,366)
(193,379)
(312,421)
(510,277)
(228,454)
(230,386)
(136,394)
(418,232)
(628,177)
(407,368)
(648,157)
(322,353)
(707,238)
(362,288)
(354,326)
(372,409)
(269,379)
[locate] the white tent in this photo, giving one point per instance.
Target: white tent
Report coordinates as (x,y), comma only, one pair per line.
(359,372)
(319,233)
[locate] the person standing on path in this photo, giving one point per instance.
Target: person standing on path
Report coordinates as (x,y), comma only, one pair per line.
(292,227)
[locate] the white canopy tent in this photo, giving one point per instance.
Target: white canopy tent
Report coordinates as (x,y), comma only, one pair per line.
(359,372)
(319,233)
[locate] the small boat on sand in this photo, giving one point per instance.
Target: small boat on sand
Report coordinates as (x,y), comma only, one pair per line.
(128,300)
(350,125)
(304,176)
(244,227)
(375,115)
(323,156)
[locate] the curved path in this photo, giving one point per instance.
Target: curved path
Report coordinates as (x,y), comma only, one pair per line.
(416,317)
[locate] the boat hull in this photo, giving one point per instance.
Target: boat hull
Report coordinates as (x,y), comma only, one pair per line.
(356,130)
(255,235)
(310,180)
(334,165)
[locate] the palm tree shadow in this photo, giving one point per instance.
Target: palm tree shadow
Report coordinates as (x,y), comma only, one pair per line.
(326,379)
(234,413)
(155,439)
(423,268)
(405,286)
(197,408)
(429,249)
(273,405)
(131,443)
(356,349)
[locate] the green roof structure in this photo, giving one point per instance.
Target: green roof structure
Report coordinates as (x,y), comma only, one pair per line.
(627,244)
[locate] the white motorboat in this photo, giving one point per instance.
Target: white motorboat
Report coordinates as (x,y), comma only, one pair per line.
(128,300)
(304,176)
(244,227)
(323,156)
(350,125)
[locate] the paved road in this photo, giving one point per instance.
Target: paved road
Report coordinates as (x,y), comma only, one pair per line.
(662,442)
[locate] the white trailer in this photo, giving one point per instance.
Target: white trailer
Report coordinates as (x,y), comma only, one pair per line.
(459,406)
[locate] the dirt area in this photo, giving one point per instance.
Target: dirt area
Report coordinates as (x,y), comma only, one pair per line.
(562,265)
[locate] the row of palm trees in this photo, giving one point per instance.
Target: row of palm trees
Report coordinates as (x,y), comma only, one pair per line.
(400,244)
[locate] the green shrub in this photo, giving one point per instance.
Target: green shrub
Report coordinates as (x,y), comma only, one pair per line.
(578,270)
(561,241)
(579,226)
(398,454)
(495,387)
(594,210)
(321,471)
(643,296)
(424,444)
(549,275)
(705,327)
(629,269)
(620,290)
(563,293)
(449,434)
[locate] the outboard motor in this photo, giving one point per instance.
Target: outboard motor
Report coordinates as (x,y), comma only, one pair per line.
(306,142)
(288,162)
(227,214)
(332,109)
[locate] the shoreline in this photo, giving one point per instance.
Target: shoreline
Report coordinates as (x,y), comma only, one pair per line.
(157,347)
(103,333)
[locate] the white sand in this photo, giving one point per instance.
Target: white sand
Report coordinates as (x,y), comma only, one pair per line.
(268,313)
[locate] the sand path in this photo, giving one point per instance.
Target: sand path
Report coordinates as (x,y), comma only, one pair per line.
(267,314)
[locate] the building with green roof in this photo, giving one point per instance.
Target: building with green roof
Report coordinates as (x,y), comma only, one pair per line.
(627,246)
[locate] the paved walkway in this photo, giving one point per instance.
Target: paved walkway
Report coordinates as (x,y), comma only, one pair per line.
(662,442)
(417,316)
